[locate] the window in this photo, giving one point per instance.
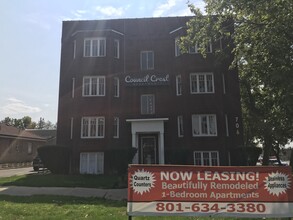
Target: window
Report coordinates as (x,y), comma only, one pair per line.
(209,47)
(116,127)
(178,85)
(147,104)
(206,158)
(177,47)
(116,49)
(201,83)
(204,125)
(193,49)
(92,163)
(94,47)
(94,86)
(116,87)
(147,60)
(180,126)
(92,127)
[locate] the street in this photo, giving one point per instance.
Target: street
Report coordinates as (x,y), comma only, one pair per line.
(16,172)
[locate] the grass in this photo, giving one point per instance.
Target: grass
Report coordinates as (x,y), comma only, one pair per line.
(65,207)
(53,180)
(70,208)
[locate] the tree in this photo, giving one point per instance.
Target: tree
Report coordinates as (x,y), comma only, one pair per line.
(262,39)
(27,123)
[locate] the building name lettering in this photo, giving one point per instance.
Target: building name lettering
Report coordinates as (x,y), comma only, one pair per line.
(147,80)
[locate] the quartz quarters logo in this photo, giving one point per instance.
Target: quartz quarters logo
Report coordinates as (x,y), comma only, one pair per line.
(277,183)
(142,181)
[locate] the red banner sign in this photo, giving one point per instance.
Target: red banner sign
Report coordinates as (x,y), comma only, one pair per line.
(207,191)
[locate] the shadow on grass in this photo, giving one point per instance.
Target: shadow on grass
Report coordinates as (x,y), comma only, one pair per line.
(62,200)
(54,180)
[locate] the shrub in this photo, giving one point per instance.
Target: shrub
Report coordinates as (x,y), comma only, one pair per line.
(55,158)
(245,156)
(119,159)
(178,156)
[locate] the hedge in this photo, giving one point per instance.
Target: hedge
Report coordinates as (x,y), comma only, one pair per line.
(55,158)
(244,156)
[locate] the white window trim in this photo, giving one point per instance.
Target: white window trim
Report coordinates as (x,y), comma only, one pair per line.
(98,86)
(197,81)
(99,39)
(116,127)
(210,158)
(178,85)
(89,127)
(116,89)
(74,49)
(147,67)
(200,125)
(179,125)
(73,87)
(177,47)
(116,41)
(227,125)
(71,128)
(224,83)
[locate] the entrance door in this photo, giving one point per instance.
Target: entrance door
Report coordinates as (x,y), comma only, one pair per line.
(148,149)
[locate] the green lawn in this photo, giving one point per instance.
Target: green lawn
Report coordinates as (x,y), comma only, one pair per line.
(63,208)
(53,180)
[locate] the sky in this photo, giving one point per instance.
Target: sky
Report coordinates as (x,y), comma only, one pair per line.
(30,46)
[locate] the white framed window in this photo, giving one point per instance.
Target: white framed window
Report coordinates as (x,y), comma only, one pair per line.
(193,49)
(116,87)
(178,85)
(204,125)
(116,127)
(94,47)
(201,83)
(206,158)
(177,47)
(147,60)
(147,104)
(91,163)
(180,126)
(93,127)
(209,47)
(94,86)
(117,49)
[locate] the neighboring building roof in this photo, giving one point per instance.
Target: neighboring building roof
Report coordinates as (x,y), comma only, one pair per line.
(48,134)
(8,131)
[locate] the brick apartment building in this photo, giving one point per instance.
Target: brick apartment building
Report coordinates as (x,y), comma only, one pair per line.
(124,83)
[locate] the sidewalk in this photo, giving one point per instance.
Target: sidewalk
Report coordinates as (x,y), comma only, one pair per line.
(111,194)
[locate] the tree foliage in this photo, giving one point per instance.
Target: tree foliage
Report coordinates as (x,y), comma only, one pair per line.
(262,42)
(27,123)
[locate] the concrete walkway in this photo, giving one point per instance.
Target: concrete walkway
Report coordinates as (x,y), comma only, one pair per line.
(112,194)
